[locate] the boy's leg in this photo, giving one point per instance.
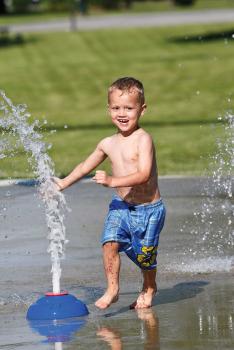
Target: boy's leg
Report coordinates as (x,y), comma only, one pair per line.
(149,290)
(111,260)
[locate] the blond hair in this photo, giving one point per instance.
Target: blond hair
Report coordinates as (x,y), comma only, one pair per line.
(128,84)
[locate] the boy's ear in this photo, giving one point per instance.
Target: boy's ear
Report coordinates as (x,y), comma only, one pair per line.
(143,108)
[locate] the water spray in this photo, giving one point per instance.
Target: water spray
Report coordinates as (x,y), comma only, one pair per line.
(212,231)
(14,122)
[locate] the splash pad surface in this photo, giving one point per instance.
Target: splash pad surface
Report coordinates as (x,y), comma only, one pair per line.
(195,298)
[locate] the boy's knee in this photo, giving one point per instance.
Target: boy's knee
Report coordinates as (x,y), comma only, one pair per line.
(111,246)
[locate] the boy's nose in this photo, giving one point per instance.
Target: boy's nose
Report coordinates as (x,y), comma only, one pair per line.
(122,112)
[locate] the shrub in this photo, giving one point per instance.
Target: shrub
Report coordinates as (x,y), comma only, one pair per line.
(184,2)
(21,5)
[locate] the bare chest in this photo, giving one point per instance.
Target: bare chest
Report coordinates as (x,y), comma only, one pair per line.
(125,153)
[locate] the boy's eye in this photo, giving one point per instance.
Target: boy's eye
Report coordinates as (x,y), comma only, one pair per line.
(115,108)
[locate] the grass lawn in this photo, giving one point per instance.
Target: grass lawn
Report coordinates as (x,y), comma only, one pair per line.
(137,7)
(181,150)
(63,78)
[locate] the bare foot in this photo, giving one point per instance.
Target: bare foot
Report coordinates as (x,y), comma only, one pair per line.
(144,300)
(106,300)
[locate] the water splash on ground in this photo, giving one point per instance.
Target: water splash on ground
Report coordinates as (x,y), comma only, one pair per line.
(18,131)
(216,213)
(212,236)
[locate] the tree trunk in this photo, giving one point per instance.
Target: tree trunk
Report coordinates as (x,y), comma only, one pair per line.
(128,3)
(2,7)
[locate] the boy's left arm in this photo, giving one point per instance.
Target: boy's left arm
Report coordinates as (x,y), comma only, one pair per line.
(142,175)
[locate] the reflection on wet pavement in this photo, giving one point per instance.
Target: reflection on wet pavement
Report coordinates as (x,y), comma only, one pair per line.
(149,331)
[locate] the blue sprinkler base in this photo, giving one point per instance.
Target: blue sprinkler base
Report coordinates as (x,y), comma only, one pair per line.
(57,306)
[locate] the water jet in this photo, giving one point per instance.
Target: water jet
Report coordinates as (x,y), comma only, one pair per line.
(15,122)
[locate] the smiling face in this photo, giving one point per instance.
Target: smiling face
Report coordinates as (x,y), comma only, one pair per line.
(125,108)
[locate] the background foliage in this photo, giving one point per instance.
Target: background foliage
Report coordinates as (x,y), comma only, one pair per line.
(22,6)
(63,78)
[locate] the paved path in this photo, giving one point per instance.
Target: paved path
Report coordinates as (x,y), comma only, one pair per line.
(126,20)
(198,280)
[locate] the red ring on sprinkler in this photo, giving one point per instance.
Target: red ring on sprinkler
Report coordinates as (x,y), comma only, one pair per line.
(51,294)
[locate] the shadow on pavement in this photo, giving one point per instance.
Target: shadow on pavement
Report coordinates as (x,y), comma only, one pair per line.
(180,291)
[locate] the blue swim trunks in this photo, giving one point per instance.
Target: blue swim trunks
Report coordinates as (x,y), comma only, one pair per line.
(136,228)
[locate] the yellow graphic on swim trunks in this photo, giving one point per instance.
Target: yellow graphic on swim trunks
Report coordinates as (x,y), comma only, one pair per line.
(148,257)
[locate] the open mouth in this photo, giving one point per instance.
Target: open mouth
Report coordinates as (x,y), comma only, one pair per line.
(123,121)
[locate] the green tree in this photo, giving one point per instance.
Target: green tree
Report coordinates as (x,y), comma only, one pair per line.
(109,4)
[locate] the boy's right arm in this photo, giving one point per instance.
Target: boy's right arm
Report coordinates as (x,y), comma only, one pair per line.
(84,168)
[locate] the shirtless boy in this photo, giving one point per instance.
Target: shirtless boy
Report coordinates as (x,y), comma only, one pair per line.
(136,213)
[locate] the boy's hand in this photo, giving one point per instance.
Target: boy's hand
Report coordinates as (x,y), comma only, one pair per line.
(59,183)
(102,178)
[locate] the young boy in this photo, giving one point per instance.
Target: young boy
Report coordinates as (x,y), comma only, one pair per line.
(136,214)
